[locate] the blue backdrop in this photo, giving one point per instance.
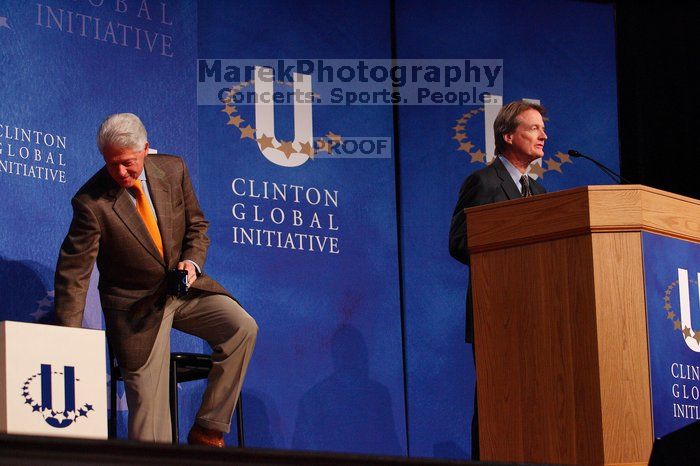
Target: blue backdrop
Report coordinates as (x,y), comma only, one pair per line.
(346,359)
(327,373)
(560,53)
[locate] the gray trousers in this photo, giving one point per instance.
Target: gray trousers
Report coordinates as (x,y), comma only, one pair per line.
(231,334)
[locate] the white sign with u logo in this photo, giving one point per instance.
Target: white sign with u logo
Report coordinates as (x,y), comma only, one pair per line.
(52,381)
(686,320)
(265,119)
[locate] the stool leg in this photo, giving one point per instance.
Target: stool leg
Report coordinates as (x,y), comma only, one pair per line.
(174,415)
(239,421)
(112,426)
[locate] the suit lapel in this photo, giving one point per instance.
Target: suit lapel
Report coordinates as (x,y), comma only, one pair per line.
(160,195)
(507,184)
(537,188)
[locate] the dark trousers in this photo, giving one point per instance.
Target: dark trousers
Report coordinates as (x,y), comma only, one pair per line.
(475,417)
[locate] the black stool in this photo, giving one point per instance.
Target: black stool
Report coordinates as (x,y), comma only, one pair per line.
(184,367)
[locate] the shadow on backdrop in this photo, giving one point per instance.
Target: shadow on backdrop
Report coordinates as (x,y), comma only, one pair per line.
(347,411)
(26,289)
(256,423)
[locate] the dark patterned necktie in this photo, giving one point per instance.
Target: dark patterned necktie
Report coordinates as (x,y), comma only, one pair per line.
(525,184)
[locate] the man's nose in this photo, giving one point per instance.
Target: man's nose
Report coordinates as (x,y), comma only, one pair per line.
(543,135)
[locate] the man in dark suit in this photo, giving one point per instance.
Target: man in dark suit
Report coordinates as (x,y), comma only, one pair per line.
(520,137)
(137,218)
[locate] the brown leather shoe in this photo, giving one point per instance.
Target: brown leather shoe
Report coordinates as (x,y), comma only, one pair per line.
(202,436)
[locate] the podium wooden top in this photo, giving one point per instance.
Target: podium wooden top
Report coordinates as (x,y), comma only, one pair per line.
(579,211)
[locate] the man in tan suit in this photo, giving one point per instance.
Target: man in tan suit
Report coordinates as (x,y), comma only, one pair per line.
(137,218)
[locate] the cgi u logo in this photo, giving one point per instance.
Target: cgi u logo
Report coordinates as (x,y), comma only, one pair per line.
(265,118)
(54,414)
(686,320)
(47,395)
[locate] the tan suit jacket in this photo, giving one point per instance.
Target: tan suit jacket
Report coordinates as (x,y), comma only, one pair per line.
(106,229)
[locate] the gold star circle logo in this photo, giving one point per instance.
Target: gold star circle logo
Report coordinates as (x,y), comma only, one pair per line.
(477,155)
(671,314)
(325,143)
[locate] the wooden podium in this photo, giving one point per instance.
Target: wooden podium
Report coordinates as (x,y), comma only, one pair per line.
(560,322)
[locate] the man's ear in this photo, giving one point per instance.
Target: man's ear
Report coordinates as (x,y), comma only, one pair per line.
(508,138)
(146,148)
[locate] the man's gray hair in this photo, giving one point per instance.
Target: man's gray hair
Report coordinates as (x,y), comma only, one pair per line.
(123,130)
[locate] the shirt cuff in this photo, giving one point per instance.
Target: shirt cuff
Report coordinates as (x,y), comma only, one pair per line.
(196,266)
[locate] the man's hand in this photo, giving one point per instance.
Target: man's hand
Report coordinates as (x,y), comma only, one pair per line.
(191,271)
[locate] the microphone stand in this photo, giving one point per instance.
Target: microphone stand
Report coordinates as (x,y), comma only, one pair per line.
(617,178)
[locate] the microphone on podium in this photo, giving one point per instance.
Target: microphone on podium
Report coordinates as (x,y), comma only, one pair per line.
(616,177)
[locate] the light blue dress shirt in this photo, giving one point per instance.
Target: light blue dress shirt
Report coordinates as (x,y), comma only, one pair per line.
(514,172)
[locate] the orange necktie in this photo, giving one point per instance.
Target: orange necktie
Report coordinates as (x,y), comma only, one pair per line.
(147,216)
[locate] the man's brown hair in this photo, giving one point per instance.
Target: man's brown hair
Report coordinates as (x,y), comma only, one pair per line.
(507,120)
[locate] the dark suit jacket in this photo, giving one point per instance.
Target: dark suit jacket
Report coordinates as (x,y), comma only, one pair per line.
(490,184)
(107,229)
(677,448)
